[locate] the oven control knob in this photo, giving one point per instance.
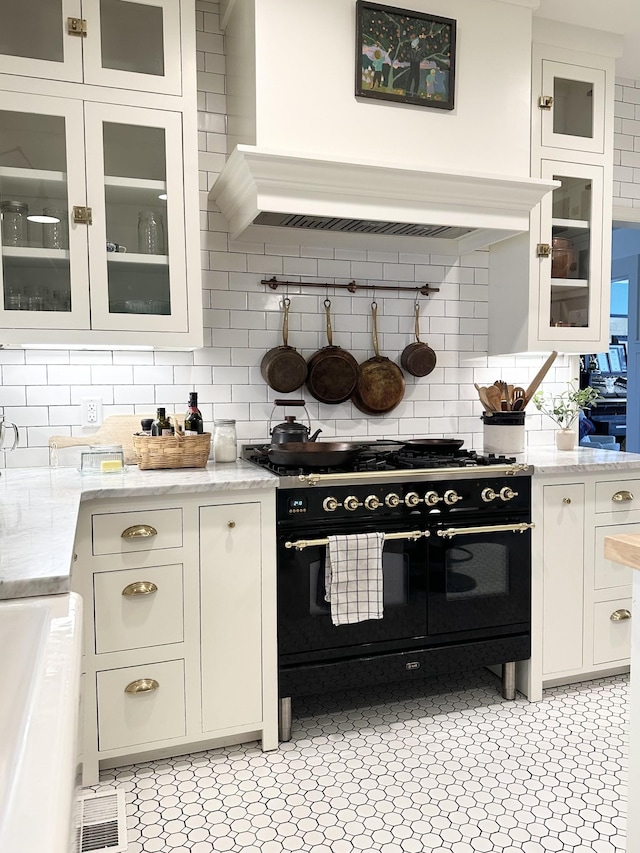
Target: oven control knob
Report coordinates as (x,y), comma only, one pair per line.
(432,498)
(451,497)
(329,504)
(412,499)
(372,502)
(488,495)
(351,503)
(507,494)
(392,500)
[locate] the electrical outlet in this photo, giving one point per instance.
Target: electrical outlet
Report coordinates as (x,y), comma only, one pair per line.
(91,411)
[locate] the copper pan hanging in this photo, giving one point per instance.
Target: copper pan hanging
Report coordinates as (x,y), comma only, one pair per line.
(418,358)
(380,382)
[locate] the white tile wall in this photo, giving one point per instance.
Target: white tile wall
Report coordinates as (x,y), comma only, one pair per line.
(41,390)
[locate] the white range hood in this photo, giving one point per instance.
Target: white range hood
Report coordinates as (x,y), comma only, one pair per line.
(465,211)
(310,156)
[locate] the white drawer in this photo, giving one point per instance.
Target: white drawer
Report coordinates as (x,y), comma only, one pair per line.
(618,496)
(108,529)
(611,638)
(129,719)
(135,608)
(606,573)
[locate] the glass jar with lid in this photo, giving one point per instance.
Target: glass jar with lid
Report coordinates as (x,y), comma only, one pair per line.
(225,447)
(14,223)
(150,233)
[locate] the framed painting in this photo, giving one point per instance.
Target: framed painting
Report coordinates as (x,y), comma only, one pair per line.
(403,56)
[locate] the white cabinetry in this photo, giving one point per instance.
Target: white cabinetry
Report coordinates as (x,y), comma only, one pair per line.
(581,603)
(180,645)
(549,289)
(89,165)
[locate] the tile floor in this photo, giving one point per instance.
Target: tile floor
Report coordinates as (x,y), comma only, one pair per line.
(435,766)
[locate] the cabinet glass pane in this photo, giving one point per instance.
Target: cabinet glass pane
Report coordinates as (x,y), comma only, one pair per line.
(136,217)
(573,107)
(32,28)
(34,217)
(571,240)
(132,37)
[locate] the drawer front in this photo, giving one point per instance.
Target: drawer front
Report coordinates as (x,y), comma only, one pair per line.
(138,608)
(607,573)
(618,496)
(108,530)
(130,719)
(611,638)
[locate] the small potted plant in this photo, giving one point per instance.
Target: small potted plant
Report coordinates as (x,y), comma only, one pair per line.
(564,407)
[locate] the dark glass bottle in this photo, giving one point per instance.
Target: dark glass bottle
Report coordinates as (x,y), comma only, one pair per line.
(193,424)
(161,425)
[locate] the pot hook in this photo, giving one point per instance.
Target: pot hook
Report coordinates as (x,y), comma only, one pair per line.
(327,308)
(374,316)
(286,304)
(417,326)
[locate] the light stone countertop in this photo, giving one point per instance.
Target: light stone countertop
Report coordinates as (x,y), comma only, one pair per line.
(39,512)
(39,506)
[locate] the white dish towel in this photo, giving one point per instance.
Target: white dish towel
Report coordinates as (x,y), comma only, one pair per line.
(353,577)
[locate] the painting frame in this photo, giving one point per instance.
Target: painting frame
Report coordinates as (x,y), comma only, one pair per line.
(399,46)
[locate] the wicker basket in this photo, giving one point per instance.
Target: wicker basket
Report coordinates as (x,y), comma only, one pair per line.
(172,451)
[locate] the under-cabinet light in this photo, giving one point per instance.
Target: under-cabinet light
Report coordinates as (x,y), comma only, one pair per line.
(162,196)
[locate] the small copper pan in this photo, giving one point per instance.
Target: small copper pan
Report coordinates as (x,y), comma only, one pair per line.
(418,358)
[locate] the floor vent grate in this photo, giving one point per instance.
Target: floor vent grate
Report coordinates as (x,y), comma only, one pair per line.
(103,822)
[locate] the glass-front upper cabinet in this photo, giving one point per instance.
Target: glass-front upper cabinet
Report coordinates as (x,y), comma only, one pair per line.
(572,105)
(126,44)
(570,252)
(137,239)
(43,275)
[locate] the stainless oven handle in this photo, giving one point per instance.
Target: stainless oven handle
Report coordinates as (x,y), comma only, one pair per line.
(450,532)
(301,544)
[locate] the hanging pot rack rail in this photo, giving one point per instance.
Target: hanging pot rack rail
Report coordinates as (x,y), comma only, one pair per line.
(352,287)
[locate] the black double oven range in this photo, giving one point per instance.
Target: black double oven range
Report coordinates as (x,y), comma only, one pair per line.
(456,568)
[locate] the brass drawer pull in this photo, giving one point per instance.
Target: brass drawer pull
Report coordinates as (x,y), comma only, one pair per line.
(139,531)
(566,500)
(231,524)
(141,685)
(620,615)
(619,497)
(140,588)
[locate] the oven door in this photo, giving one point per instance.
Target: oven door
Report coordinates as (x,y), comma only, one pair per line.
(479,578)
(305,629)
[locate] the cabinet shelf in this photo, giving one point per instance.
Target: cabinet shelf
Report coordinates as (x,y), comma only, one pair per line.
(560,284)
(39,183)
(134,260)
(571,223)
(135,191)
(29,257)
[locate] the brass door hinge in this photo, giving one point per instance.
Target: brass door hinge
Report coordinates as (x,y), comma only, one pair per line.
(77,27)
(545,102)
(82,215)
(543,250)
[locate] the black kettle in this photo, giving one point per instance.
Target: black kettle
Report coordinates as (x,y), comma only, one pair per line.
(291,429)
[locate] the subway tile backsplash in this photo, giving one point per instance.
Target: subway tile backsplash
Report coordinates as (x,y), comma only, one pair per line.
(41,389)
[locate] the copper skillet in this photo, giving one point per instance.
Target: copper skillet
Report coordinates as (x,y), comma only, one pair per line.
(381,382)
(418,358)
(332,372)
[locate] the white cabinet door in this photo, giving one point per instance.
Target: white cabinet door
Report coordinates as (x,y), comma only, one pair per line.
(575,118)
(571,279)
(35,41)
(230,614)
(135,187)
(133,44)
(563,584)
(44,274)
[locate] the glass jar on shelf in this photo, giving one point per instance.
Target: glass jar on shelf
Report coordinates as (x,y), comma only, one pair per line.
(150,233)
(14,223)
(55,231)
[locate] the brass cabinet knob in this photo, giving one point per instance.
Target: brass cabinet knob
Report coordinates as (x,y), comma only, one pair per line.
(139,531)
(141,685)
(231,524)
(620,615)
(622,496)
(566,500)
(140,588)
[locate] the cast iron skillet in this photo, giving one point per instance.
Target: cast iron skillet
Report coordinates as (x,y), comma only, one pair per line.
(310,454)
(332,372)
(380,382)
(283,368)
(444,445)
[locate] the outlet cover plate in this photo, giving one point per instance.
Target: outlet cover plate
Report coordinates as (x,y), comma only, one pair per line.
(91,411)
